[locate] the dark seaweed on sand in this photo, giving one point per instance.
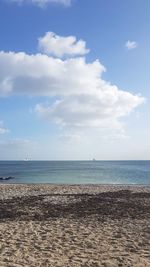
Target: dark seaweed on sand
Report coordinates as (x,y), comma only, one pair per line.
(102,206)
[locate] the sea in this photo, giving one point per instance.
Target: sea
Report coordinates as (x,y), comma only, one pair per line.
(76,172)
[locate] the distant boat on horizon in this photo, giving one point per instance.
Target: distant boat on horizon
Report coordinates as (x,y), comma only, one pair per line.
(27,159)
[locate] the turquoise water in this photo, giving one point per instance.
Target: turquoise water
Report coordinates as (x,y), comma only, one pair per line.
(77,172)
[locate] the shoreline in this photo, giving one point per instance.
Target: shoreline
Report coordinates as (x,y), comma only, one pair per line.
(13,190)
(74,225)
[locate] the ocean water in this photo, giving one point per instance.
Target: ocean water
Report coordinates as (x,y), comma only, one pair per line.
(77,172)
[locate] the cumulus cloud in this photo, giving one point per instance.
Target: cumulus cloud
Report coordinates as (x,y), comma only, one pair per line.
(47,76)
(102,109)
(131,45)
(41,3)
(60,46)
(82,97)
(3,130)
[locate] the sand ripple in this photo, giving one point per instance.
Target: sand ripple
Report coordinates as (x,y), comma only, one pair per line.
(105,229)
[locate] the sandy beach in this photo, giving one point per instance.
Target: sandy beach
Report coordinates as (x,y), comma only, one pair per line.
(88,226)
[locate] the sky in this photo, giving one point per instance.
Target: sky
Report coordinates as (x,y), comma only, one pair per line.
(74,79)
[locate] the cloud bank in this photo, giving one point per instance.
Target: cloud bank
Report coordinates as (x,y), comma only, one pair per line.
(83,98)
(41,3)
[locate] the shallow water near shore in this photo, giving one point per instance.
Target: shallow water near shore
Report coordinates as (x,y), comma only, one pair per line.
(76,172)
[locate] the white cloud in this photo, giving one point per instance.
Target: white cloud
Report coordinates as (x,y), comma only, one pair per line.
(131,45)
(102,109)
(43,75)
(3,130)
(60,46)
(82,98)
(41,3)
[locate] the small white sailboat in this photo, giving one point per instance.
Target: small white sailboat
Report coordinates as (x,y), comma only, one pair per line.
(27,159)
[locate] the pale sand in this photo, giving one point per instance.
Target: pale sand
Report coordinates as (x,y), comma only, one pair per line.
(48,225)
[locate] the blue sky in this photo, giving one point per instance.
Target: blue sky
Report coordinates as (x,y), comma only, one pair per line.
(76,83)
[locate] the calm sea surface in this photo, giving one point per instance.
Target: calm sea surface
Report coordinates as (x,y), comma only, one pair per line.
(77,172)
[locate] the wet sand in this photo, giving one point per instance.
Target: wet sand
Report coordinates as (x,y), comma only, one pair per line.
(49,225)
